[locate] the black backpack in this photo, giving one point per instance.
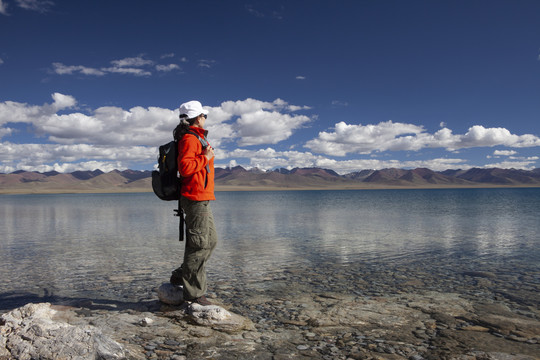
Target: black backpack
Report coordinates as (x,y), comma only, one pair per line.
(166,181)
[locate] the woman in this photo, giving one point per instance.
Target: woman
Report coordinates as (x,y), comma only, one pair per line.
(196,167)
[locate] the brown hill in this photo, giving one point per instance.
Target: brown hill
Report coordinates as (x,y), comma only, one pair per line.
(21,177)
(359,175)
(238,178)
(85,175)
(415,177)
(501,176)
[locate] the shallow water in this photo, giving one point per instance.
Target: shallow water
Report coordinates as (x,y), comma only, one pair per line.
(121,246)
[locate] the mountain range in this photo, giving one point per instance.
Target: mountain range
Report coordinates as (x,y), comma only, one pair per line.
(238,178)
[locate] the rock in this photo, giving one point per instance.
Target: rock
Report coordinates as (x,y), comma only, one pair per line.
(475,328)
(218,318)
(170,294)
(146,322)
(33,332)
(480,355)
(481,274)
(500,319)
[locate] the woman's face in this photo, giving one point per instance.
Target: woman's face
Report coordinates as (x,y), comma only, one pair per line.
(201,119)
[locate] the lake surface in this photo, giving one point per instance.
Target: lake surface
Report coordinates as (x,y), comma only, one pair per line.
(370,242)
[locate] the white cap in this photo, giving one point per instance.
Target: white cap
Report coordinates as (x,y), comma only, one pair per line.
(192,109)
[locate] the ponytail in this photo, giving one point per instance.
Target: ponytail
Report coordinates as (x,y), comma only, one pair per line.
(183,127)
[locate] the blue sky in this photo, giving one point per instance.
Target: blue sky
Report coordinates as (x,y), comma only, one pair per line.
(343,85)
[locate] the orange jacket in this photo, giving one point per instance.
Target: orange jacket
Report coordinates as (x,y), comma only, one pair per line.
(197,180)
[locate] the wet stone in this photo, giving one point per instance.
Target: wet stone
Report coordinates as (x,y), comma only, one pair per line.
(365,311)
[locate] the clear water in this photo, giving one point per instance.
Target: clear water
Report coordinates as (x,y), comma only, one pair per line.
(121,246)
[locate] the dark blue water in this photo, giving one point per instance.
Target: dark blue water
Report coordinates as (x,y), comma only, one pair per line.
(121,246)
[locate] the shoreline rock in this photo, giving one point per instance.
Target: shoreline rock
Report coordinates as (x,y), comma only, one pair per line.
(38,331)
(170,294)
(430,325)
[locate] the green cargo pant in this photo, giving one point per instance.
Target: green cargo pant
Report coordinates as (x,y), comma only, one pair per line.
(201,239)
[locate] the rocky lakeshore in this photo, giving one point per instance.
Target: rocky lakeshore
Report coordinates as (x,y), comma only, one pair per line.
(299,324)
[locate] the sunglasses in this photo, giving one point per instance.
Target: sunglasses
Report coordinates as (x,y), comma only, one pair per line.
(183,116)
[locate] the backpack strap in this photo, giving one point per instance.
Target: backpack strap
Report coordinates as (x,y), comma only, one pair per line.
(204,144)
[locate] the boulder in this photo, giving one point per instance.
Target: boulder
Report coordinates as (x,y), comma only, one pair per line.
(212,316)
(170,294)
(218,318)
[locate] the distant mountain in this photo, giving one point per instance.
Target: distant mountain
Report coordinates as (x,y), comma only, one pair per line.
(359,175)
(420,176)
(323,173)
(78,181)
(501,176)
(85,175)
(133,175)
(238,178)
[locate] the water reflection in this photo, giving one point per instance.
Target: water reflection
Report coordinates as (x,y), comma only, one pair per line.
(125,244)
(353,225)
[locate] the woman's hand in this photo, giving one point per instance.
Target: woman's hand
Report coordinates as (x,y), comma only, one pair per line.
(209,152)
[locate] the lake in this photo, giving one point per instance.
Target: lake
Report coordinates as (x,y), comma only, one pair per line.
(370,242)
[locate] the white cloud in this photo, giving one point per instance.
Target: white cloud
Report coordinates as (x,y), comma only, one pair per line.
(269,158)
(525,164)
(131,65)
(137,66)
(300,77)
(260,122)
(251,105)
(41,6)
(265,10)
(105,125)
(138,61)
(504,152)
(3,8)
(1,61)
(62,69)
(339,103)
(107,132)
(5,132)
(206,63)
(263,127)
(62,101)
(35,5)
(389,136)
(113,137)
(62,158)
(366,139)
(167,68)
(127,70)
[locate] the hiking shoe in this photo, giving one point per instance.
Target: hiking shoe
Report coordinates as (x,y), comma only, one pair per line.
(201,301)
(176,277)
